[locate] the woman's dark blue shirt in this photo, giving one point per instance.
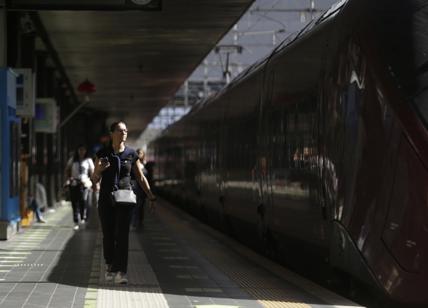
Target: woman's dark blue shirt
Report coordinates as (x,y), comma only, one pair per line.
(127,159)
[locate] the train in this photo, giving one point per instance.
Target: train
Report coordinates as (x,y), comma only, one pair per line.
(319,151)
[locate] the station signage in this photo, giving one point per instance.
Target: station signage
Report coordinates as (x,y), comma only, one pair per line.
(85,5)
(47,116)
(25,92)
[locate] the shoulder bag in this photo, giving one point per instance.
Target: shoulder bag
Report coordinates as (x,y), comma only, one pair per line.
(122,197)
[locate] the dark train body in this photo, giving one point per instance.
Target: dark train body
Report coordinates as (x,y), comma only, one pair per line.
(321,149)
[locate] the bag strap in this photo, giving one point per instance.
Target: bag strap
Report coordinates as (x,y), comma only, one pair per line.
(116,179)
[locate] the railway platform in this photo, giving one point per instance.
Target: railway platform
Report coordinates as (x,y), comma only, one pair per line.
(174,261)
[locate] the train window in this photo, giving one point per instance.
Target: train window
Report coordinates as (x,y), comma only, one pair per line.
(420,32)
(421,97)
(292,149)
(357,70)
(402,37)
(300,135)
(277,131)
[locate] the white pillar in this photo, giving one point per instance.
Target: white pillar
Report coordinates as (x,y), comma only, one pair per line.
(206,90)
(186,93)
(312,9)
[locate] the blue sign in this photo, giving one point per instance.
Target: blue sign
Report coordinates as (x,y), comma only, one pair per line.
(10,145)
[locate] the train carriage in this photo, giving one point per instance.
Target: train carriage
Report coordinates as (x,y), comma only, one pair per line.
(319,151)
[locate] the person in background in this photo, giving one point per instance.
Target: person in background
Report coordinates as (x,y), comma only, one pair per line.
(78,172)
(41,197)
(138,211)
(115,219)
(34,206)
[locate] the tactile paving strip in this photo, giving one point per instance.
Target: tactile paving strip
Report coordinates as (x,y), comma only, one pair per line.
(269,290)
(142,290)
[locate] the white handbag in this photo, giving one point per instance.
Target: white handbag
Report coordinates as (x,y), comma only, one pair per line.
(123,196)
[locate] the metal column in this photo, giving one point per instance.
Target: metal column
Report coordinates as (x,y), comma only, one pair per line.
(3,32)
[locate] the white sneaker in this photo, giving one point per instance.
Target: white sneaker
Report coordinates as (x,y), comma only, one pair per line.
(109,275)
(76,227)
(121,278)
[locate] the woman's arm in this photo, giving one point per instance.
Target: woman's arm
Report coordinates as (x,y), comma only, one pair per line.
(67,170)
(142,181)
(91,168)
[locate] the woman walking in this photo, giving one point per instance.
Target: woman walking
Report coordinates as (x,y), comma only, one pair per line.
(78,172)
(113,166)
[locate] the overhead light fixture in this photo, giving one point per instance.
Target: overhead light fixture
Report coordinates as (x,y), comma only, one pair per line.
(86,88)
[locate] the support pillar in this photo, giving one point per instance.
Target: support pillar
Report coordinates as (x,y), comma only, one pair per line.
(3,33)
(9,195)
(26,59)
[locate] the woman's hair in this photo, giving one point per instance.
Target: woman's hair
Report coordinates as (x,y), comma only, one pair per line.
(114,125)
(140,152)
(76,152)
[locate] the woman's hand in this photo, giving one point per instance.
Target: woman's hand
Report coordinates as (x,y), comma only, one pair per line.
(67,182)
(101,164)
(104,163)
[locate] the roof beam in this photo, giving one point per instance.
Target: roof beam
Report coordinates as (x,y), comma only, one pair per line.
(85,5)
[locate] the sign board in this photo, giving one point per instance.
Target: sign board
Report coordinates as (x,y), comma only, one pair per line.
(46,117)
(99,5)
(25,92)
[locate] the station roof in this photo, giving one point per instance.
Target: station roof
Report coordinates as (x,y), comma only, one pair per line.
(138,59)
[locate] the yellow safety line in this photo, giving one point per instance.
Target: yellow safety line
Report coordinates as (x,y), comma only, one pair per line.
(91,295)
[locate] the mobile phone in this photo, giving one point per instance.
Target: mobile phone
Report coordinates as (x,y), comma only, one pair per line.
(104,160)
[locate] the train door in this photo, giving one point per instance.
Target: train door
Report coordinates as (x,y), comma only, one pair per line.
(262,168)
(208,178)
(222,168)
(292,132)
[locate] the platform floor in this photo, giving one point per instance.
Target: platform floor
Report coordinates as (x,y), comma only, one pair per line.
(174,261)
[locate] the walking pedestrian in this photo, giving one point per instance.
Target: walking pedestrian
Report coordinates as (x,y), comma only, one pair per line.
(138,211)
(78,172)
(113,166)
